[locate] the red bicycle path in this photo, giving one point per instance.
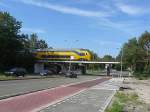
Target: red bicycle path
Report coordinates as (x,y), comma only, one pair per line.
(34,101)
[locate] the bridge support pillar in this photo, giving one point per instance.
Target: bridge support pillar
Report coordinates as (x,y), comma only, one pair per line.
(83,69)
(38,67)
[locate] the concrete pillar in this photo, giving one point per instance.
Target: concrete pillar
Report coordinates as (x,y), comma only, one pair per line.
(83,69)
(38,67)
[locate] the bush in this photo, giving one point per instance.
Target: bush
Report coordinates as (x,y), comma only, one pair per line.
(142,76)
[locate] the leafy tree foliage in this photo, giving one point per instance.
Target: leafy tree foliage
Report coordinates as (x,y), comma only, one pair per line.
(9,24)
(144,41)
(135,53)
(132,53)
(35,43)
(15,47)
(9,39)
(95,57)
(108,58)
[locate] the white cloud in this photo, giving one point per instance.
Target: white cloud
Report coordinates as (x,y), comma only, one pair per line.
(101,16)
(109,24)
(66,9)
(130,9)
(33,30)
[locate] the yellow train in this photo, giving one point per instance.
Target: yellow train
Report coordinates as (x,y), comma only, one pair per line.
(63,54)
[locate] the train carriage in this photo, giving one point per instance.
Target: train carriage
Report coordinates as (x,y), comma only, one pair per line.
(64,55)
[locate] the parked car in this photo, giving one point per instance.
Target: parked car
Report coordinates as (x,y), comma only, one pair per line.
(71,74)
(45,72)
(16,72)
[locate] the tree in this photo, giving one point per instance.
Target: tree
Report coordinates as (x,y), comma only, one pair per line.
(108,58)
(25,59)
(95,57)
(34,43)
(9,39)
(24,39)
(144,41)
(42,44)
(132,54)
(30,43)
(9,24)
(15,47)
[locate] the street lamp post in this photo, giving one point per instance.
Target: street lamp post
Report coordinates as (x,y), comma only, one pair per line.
(121,62)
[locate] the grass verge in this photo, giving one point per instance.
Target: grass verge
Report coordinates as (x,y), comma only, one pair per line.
(3,77)
(124,102)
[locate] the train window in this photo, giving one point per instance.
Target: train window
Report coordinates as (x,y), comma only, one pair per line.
(44,56)
(54,56)
(82,54)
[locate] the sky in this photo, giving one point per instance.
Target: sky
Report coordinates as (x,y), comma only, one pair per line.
(99,25)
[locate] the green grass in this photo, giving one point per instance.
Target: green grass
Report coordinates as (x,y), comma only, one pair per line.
(123,98)
(116,107)
(120,100)
(4,77)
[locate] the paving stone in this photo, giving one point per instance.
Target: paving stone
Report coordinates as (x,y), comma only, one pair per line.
(89,101)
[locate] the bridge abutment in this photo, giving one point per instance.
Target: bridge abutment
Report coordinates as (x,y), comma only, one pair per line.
(38,67)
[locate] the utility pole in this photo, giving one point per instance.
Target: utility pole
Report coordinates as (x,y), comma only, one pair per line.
(121,61)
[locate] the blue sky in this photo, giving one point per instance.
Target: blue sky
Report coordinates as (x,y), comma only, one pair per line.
(99,25)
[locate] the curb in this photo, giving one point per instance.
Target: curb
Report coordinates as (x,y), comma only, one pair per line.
(107,102)
(28,78)
(18,94)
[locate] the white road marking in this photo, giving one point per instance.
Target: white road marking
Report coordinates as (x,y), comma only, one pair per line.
(55,102)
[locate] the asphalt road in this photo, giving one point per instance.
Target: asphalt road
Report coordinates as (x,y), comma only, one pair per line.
(15,87)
